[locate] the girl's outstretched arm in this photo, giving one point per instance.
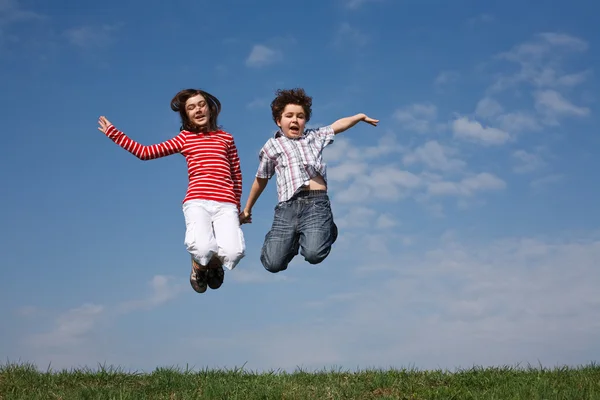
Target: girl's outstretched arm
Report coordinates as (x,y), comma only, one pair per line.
(171,146)
(343,124)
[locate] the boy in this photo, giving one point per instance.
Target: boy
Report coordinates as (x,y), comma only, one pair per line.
(303,219)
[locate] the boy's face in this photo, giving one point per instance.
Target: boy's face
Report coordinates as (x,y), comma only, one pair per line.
(292,121)
(197,110)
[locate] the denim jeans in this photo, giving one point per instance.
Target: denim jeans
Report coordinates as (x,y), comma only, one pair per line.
(303,223)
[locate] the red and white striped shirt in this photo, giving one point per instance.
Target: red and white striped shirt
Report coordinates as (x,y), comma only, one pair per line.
(214,171)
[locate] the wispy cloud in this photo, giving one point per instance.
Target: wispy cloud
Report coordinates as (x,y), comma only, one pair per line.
(419,117)
(75,326)
(261,56)
(70,328)
(471,130)
(457,303)
(541,72)
(348,35)
(481,19)
(525,162)
(435,157)
(356,4)
(540,62)
(11,12)
(445,78)
(358,178)
(552,105)
(543,182)
(91,37)
(467,186)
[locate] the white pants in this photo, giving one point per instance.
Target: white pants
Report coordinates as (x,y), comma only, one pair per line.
(213,227)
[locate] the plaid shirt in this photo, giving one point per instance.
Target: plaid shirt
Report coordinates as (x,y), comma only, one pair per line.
(295,161)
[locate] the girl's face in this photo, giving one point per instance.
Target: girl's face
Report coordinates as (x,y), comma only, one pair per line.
(197,110)
(292,121)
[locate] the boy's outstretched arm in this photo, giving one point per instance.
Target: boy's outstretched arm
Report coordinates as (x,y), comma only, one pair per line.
(343,124)
(258,186)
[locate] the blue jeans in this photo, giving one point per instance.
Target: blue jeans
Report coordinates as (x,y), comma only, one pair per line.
(303,223)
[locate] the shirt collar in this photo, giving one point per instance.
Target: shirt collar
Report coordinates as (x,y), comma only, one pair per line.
(279,133)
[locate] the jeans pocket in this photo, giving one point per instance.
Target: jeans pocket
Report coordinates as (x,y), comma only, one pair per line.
(322,205)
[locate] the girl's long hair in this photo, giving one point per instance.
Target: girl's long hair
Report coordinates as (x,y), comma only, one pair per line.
(214,107)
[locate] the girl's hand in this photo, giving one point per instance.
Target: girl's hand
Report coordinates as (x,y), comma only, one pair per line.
(370,121)
(104,124)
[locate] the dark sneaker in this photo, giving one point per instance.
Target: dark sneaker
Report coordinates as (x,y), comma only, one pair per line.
(198,277)
(216,274)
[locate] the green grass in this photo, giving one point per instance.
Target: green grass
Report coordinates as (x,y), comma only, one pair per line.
(25,381)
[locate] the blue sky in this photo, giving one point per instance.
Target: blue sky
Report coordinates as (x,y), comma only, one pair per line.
(468,231)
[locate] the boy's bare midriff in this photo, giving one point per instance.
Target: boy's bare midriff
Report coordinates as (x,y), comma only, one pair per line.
(316,183)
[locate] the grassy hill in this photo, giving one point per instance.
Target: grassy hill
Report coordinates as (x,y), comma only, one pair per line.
(25,381)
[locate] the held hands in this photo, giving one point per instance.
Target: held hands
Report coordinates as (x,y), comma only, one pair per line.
(245,217)
(104,124)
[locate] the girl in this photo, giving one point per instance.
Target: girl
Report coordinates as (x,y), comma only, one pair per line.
(211,206)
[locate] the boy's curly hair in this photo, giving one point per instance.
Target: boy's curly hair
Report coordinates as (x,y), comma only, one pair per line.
(291,96)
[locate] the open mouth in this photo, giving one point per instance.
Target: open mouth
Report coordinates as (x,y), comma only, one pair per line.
(294,129)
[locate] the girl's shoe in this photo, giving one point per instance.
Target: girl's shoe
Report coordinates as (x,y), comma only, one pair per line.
(215,274)
(198,277)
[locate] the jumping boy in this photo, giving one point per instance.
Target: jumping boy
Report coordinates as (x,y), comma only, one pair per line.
(303,219)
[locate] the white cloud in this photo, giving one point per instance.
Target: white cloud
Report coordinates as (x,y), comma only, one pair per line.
(446,77)
(434,156)
(488,107)
(11,12)
(363,174)
(468,186)
(70,328)
(482,18)
(457,304)
(527,162)
(565,41)
(163,290)
(540,61)
(418,117)
(261,55)
(453,303)
(466,129)
(519,121)
(258,103)
(256,275)
(386,221)
(348,35)
(74,328)
(91,37)
(541,183)
(356,217)
(553,105)
(356,4)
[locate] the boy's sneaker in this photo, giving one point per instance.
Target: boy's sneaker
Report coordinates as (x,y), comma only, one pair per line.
(198,277)
(216,274)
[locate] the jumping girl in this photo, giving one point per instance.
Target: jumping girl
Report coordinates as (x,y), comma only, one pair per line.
(211,206)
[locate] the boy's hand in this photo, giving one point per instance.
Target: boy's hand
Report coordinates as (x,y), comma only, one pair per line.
(104,124)
(245,217)
(370,121)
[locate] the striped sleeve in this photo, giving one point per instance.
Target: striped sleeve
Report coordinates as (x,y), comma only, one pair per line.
(171,146)
(236,173)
